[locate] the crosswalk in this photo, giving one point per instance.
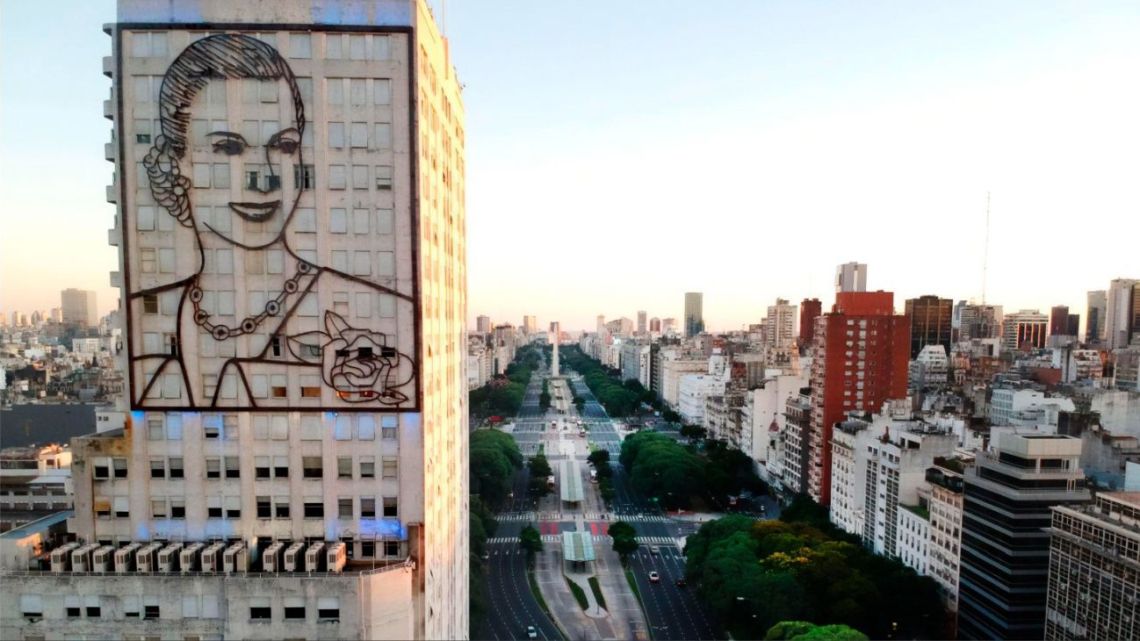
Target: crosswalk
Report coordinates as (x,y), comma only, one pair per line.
(530,517)
(597,538)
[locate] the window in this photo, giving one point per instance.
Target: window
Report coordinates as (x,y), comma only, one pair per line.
(281,507)
(279,427)
(389,467)
(367,467)
(151,611)
(314,509)
(281,467)
(214,507)
(150,303)
(213,468)
(344,467)
(261,468)
(259,609)
(336,135)
(175,464)
(71,607)
(233,469)
(391,548)
(367,507)
(190,607)
(360,177)
(158,508)
(328,608)
(101,469)
(120,467)
(32,607)
(131,607)
(233,507)
(142,132)
(177,508)
(264,507)
(294,607)
(388,427)
(301,46)
(335,89)
(303,177)
(344,507)
(384,177)
(367,549)
(382,91)
(358,135)
(92,607)
(338,179)
(383,136)
(390,507)
(311,467)
(210,431)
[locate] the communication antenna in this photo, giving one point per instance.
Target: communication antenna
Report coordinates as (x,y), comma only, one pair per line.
(986,251)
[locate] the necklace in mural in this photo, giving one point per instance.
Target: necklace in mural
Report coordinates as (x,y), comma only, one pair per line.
(250,323)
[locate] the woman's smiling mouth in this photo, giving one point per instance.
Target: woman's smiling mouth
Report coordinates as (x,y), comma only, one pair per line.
(256,212)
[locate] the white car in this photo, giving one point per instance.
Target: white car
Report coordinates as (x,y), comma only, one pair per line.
(531,632)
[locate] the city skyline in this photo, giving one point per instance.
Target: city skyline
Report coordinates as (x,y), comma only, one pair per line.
(905,110)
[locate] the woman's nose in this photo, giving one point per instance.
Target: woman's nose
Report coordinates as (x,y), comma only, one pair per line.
(272,180)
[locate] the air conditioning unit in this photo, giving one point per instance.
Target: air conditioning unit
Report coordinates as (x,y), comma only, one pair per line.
(168,558)
(147,558)
(103,560)
(81,558)
(125,558)
(212,557)
(236,558)
(188,557)
(314,556)
(271,557)
(337,556)
(293,557)
(61,557)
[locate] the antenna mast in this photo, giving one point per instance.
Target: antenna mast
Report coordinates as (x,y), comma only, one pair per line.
(986,251)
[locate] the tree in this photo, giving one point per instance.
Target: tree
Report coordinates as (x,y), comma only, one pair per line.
(807,631)
(530,541)
(539,467)
(670,416)
(606,489)
(693,432)
(599,457)
(625,539)
(494,457)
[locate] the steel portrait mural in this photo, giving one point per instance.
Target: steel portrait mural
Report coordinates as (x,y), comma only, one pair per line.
(248,310)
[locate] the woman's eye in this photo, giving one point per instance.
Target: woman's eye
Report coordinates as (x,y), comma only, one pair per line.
(285,146)
(229,147)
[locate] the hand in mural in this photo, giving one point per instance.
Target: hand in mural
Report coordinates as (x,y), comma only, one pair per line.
(357,363)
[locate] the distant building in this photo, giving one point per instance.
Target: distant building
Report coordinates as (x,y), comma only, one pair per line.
(642,322)
(780,324)
(980,322)
(691,395)
(1122,312)
(931,322)
(797,443)
(851,277)
(77,307)
(1059,320)
(530,325)
(944,552)
(810,309)
(1025,329)
(34,482)
(694,313)
(860,362)
(1094,319)
(635,363)
(1094,560)
(1005,540)
(655,325)
(483,324)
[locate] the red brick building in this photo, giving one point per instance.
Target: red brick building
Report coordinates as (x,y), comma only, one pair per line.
(810,309)
(860,361)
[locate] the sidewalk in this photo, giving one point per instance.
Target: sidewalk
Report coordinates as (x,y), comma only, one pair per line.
(695,517)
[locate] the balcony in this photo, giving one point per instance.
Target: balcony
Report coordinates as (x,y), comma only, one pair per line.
(109,66)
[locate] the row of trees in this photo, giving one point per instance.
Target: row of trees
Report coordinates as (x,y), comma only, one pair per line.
(544,397)
(482,526)
(601,460)
(678,475)
(494,457)
(503,395)
(619,399)
(755,574)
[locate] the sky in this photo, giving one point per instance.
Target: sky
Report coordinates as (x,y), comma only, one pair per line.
(620,154)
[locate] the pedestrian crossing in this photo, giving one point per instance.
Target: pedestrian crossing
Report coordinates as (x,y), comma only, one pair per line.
(530,517)
(598,538)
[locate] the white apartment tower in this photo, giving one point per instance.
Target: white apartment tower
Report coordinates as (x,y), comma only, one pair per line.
(289,185)
(851,277)
(77,306)
(780,324)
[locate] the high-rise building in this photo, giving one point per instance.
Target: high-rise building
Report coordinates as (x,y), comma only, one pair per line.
(483,324)
(1058,320)
(1094,563)
(290,223)
(851,277)
(655,325)
(861,357)
(668,325)
(77,307)
(1122,312)
(931,322)
(980,321)
(694,313)
(780,324)
(1005,538)
(642,322)
(530,325)
(1073,325)
(1024,330)
(810,309)
(1094,319)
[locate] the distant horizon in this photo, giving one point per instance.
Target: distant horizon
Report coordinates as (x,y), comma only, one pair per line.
(618,157)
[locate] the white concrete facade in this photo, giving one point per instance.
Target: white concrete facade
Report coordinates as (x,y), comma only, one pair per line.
(691,395)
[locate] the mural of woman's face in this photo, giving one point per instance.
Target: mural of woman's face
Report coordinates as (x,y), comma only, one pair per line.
(255,144)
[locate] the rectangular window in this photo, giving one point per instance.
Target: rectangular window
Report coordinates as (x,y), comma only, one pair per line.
(342,430)
(295,611)
(300,46)
(120,467)
(391,548)
(303,177)
(175,467)
(190,607)
(177,508)
(213,468)
(335,89)
(388,424)
(367,507)
(131,607)
(344,507)
(328,608)
(214,507)
(314,509)
(279,427)
(336,135)
(312,467)
(338,179)
(360,176)
(259,609)
(367,467)
(390,507)
(383,136)
(233,467)
(384,177)
(72,607)
(264,507)
(233,507)
(338,221)
(158,508)
(157,468)
(122,507)
(93,609)
(281,467)
(359,135)
(389,467)
(31,606)
(358,92)
(151,611)
(150,303)
(368,549)
(261,468)
(360,221)
(382,91)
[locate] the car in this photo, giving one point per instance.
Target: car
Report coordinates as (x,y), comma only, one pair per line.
(680,583)
(654,577)
(654,549)
(531,632)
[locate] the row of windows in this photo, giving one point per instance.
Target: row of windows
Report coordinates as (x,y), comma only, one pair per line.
(229,507)
(193,607)
(353,92)
(265,467)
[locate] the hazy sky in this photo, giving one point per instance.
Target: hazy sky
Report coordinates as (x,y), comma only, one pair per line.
(622,153)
